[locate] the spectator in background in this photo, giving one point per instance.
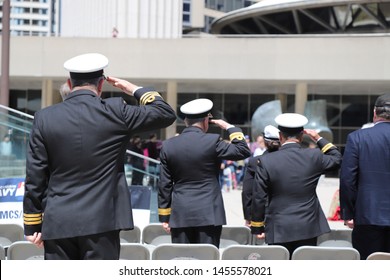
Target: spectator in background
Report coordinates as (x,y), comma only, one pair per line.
(64,90)
(153,151)
(6,146)
(365,183)
(260,146)
(136,162)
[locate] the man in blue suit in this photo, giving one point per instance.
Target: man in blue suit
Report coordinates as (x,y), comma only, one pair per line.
(365,183)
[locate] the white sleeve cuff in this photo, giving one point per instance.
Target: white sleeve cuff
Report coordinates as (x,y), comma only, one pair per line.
(229,126)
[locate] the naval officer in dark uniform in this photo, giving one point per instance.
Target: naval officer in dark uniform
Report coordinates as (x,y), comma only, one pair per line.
(190,203)
(76,197)
(272,144)
(285,204)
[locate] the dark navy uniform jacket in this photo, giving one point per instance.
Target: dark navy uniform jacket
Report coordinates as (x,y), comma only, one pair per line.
(287,180)
(248,185)
(189,190)
(75,180)
(365,176)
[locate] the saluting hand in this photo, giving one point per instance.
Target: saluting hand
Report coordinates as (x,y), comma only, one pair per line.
(312,133)
(221,123)
(124,85)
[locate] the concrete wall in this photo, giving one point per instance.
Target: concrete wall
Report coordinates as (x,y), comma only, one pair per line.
(313,58)
(206,63)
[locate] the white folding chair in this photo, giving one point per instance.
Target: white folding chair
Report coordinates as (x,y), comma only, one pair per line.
(336,238)
(235,235)
(134,251)
(10,233)
(175,251)
(325,253)
(2,253)
(154,234)
(379,256)
(24,250)
(253,252)
(130,236)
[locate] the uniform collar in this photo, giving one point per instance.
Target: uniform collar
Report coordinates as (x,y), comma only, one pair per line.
(192,129)
(290,145)
(80,92)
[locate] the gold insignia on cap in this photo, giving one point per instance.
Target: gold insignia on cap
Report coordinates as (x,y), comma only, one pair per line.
(236,135)
(148,97)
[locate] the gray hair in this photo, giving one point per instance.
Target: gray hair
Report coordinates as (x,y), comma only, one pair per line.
(64,90)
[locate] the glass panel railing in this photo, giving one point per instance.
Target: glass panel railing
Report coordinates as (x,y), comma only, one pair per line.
(148,174)
(15,129)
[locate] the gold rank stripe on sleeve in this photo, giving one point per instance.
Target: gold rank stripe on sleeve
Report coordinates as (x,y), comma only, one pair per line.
(148,97)
(32,219)
(257,224)
(326,147)
(164,211)
(236,135)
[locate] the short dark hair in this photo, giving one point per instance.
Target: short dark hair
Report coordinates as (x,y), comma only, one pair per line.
(86,82)
(190,122)
(295,134)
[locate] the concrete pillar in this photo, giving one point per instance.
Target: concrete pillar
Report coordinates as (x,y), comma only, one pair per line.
(171,99)
(47,93)
(5,45)
(300,97)
(283,101)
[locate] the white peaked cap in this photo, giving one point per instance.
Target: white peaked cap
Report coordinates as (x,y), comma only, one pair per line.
(271,133)
(197,108)
(85,66)
(291,122)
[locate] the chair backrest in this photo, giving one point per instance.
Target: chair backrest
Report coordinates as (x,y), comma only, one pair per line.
(24,250)
(325,253)
(177,251)
(10,233)
(134,251)
(336,238)
(257,241)
(379,256)
(235,235)
(131,236)
(2,253)
(154,234)
(254,252)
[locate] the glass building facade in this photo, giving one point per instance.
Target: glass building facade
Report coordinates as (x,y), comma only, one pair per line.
(345,113)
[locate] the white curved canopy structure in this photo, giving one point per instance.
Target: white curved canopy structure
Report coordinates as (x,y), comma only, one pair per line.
(307,17)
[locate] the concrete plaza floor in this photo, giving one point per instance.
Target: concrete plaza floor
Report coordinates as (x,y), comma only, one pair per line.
(325,190)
